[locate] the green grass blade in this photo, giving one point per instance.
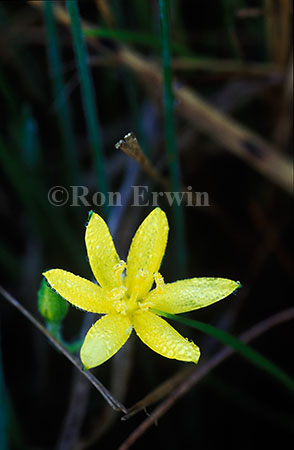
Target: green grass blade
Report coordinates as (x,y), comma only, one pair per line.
(88,97)
(170,137)
(239,346)
(16,173)
(45,218)
(29,138)
(148,39)
(62,108)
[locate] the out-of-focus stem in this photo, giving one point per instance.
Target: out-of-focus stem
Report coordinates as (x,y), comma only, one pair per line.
(88,97)
(170,138)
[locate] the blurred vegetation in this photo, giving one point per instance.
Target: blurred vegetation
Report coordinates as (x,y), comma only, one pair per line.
(75,78)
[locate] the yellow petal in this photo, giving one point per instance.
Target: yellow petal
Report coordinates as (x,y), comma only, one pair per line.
(104,339)
(80,292)
(146,252)
(101,252)
(163,338)
(187,295)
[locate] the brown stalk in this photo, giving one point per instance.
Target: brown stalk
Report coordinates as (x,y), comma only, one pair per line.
(278,22)
(105,11)
(225,66)
(226,131)
(203,370)
(115,404)
(130,145)
(283,130)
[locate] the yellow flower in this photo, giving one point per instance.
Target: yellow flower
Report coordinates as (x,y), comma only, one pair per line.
(127,301)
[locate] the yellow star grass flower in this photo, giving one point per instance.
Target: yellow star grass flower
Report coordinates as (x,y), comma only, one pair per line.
(127,301)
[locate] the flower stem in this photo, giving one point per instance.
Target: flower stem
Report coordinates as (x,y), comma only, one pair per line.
(115,404)
(55,330)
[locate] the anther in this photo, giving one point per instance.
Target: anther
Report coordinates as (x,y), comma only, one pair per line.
(119,268)
(158,278)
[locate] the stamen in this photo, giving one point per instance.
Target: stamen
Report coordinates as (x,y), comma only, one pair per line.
(147,303)
(119,268)
(158,278)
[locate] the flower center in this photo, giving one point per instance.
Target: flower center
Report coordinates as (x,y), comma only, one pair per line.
(117,297)
(125,302)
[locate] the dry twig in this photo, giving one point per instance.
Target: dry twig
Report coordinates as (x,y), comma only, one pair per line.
(226,131)
(203,370)
(115,404)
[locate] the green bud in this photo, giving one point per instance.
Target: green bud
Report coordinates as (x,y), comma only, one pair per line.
(50,304)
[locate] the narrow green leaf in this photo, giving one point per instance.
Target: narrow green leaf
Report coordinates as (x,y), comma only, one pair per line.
(170,135)
(45,217)
(88,97)
(239,346)
(29,138)
(62,107)
(148,39)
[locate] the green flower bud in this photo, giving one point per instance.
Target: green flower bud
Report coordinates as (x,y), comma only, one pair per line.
(50,304)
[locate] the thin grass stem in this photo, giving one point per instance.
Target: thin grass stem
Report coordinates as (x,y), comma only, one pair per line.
(88,98)
(59,89)
(170,137)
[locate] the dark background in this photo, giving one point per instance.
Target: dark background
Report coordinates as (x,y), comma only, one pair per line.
(245,234)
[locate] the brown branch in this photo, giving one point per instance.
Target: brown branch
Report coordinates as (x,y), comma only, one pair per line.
(71,427)
(130,145)
(158,393)
(79,395)
(121,371)
(105,12)
(115,404)
(226,66)
(226,131)
(278,24)
(283,129)
(203,370)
